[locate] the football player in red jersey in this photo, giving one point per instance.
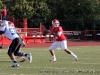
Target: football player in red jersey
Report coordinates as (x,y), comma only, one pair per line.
(60,40)
(4,13)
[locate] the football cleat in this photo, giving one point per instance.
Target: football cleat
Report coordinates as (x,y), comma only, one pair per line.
(15,65)
(29,56)
(52,60)
(76,58)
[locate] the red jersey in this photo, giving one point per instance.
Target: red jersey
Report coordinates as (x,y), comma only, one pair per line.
(51,28)
(56,30)
(4,12)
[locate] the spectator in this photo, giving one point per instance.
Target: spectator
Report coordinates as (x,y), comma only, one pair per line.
(4,13)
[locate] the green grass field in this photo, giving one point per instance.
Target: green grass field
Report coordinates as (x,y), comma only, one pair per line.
(88,63)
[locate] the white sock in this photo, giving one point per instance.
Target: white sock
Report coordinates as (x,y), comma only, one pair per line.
(54,57)
(72,54)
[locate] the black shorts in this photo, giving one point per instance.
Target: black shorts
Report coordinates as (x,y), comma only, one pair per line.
(15,46)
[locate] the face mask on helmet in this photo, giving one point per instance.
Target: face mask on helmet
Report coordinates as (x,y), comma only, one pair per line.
(55,23)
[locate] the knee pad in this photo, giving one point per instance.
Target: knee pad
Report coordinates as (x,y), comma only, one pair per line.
(50,50)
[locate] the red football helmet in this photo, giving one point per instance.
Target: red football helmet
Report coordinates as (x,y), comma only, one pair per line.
(55,23)
(11,24)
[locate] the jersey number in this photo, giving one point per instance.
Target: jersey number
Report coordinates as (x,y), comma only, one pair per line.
(12,31)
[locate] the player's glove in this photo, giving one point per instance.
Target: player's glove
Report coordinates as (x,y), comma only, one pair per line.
(45,32)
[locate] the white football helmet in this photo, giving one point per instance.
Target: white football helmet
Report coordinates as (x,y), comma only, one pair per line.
(55,23)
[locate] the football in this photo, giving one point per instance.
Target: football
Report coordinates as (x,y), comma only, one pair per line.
(21,58)
(45,32)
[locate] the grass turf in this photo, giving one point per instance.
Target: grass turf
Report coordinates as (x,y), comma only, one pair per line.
(88,63)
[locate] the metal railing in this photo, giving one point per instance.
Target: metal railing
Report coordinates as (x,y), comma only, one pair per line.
(86,35)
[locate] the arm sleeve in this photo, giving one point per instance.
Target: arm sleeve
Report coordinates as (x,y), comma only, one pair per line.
(60,31)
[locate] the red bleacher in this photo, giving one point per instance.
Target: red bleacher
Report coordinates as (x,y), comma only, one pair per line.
(34,34)
(28,34)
